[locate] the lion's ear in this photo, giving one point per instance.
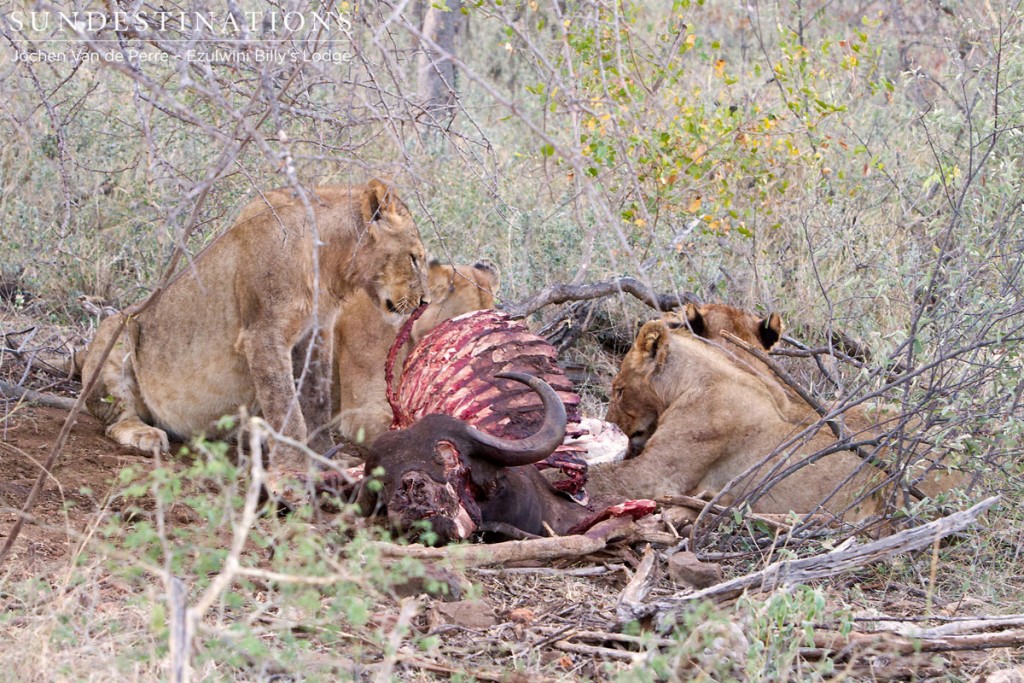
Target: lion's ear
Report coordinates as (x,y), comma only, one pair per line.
(695,319)
(652,342)
(769,330)
(380,198)
(439,275)
(490,272)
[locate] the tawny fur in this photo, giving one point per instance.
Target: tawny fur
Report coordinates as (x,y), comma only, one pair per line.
(704,419)
(711,320)
(364,335)
(222,334)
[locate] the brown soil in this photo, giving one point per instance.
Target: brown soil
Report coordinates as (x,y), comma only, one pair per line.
(79,485)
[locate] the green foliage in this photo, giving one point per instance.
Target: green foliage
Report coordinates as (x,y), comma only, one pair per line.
(760,639)
(255,619)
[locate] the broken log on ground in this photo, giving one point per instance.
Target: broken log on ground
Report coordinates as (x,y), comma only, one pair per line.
(787,573)
(480,555)
(560,293)
(15,392)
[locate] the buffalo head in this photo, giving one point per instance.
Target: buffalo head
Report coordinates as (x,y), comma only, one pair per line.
(448,473)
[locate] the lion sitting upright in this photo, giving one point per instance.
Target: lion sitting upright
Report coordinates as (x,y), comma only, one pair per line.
(222,334)
(364,336)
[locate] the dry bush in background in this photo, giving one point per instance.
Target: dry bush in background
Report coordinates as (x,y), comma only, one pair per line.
(855,167)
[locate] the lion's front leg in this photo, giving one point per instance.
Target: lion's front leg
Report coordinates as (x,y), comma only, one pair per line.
(115,398)
(270,365)
(311,365)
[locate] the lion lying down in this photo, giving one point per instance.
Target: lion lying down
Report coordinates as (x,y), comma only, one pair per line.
(223,332)
(703,418)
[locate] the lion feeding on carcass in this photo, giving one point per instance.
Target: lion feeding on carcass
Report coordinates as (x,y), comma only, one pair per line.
(699,416)
(223,332)
(364,334)
(704,421)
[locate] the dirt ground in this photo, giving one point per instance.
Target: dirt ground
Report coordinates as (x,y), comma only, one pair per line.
(81,485)
(554,604)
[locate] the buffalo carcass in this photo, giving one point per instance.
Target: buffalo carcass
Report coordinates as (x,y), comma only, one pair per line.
(460,479)
(453,372)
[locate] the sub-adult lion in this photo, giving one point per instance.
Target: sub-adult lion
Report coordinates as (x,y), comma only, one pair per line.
(702,419)
(223,332)
(363,337)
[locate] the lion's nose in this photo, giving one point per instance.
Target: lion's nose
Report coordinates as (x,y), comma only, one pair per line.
(424,301)
(636,445)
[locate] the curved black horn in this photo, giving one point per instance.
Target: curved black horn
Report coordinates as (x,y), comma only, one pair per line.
(515,452)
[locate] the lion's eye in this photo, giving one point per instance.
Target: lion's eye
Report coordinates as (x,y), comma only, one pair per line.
(415,261)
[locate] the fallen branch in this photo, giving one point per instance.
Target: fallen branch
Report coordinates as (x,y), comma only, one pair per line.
(643,640)
(895,643)
(595,570)
(598,651)
(13,391)
(559,293)
(789,573)
(951,627)
(631,600)
(479,555)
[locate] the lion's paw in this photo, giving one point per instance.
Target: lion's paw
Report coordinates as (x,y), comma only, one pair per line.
(141,436)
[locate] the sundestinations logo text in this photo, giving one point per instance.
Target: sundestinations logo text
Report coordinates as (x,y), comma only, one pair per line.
(221,24)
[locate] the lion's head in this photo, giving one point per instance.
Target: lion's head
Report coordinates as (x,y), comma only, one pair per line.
(457,289)
(637,399)
(710,320)
(642,389)
(395,251)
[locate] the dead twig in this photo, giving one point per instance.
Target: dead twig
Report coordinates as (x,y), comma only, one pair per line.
(895,643)
(597,651)
(631,600)
(552,571)
(13,391)
(611,637)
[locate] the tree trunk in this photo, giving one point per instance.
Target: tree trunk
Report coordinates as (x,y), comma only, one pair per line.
(436,78)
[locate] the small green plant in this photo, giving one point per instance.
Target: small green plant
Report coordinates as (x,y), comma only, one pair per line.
(297,584)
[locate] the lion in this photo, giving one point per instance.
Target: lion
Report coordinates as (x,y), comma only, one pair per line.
(701,420)
(363,337)
(711,320)
(223,332)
